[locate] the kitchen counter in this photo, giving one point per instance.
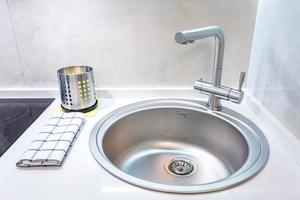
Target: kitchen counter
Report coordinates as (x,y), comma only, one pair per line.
(81,177)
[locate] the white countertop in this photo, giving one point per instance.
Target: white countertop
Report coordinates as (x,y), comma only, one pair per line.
(81,177)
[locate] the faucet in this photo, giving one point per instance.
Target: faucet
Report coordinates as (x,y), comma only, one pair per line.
(214,89)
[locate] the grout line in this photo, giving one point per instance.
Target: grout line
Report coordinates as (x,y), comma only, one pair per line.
(16,44)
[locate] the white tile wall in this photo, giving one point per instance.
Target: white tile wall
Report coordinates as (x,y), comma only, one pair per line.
(10,69)
(274,73)
(130,43)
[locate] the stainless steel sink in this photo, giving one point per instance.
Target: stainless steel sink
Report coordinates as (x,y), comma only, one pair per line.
(178,146)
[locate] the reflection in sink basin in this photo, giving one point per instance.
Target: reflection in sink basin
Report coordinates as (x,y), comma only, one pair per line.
(178,146)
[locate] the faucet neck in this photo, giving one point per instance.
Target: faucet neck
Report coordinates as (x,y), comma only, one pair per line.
(218,61)
(214,103)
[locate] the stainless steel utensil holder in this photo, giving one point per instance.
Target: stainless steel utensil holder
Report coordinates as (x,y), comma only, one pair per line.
(77,88)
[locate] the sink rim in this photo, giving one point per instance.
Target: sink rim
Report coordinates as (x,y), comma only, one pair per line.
(253,164)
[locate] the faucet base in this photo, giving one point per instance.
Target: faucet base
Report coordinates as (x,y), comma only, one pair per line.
(214,103)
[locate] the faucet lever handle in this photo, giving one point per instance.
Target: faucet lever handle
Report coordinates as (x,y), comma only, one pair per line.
(241,81)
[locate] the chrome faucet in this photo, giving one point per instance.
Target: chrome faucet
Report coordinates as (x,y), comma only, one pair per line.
(215,90)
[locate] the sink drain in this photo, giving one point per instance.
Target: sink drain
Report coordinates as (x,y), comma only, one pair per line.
(180,167)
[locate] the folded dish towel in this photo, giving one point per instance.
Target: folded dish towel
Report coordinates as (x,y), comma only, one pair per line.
(53,142)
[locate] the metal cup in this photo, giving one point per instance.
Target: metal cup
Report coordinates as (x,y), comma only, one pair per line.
(77,88)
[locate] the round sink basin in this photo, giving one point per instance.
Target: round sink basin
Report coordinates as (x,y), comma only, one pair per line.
(178,146)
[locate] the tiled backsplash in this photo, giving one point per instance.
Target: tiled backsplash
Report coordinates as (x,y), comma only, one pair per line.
(274,73)
(130,43)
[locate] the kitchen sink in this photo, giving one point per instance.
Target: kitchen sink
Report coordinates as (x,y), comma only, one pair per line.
(179,146)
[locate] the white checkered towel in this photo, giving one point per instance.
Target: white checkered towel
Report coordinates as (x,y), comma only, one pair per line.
(53,142)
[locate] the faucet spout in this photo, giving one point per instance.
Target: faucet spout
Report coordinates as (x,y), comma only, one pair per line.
(184,37)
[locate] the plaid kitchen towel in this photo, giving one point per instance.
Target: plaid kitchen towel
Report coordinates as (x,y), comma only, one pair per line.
(53,142)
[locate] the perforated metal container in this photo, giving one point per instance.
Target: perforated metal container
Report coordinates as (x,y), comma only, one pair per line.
(77,88)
